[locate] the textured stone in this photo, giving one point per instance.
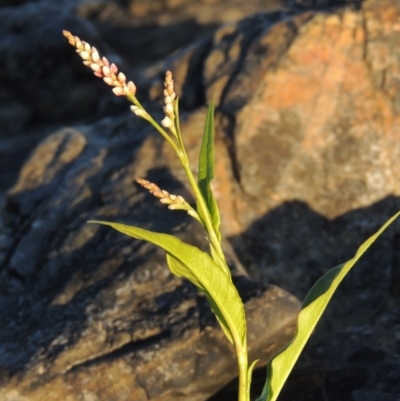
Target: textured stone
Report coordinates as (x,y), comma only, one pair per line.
(306,151)
(91,314)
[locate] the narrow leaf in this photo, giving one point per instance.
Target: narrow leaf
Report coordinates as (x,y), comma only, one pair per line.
(313,306)
(198,267)
(206,170)
(250,377)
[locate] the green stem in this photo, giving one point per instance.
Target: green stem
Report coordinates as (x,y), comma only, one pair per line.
(241,352)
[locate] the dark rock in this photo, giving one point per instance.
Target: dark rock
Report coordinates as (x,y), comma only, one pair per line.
(306,169)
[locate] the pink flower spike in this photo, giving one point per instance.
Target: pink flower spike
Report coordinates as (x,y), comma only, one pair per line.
(102,68)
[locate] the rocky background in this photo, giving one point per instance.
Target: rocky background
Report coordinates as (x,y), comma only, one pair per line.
(308,149)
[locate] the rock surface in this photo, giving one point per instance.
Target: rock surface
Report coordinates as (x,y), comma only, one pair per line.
(307,144)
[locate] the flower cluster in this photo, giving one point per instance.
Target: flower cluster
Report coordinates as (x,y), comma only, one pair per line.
(169,98)
(174,202)
(101,67)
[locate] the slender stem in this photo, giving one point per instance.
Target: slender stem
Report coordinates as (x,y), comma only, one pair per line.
(154,123)
(241,352)
(165,135)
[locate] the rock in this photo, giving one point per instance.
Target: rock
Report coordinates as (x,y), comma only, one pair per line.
(42,83)
(312,136)
(307,144)
(82,304)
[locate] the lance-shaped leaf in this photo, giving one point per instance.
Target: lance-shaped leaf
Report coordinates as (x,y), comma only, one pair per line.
(313,307)
(206,170)
(198,267)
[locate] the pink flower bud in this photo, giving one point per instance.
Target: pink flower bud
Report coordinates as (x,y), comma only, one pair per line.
(166,122)
(95,67)
(118,91)
(78,43)
(95,55)
(108,80)
(113,68)
(131,88)
(168,109)
(106,71)
(105,61)
(69,37)
(98,74)
(121,77)
(193,213)
(138,111)
(85,55)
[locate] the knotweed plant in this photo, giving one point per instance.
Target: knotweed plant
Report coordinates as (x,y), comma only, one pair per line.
(209,272)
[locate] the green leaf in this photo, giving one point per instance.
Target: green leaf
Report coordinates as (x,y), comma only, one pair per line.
(250,377)
(206,170)
(198,267)
(313,306)
(181,270)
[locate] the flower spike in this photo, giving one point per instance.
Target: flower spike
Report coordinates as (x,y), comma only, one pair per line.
(101,67)
(174,202)
(169,99)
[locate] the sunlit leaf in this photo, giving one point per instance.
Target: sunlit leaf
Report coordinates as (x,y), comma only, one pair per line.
(198,267)
(206,170)
(313,307)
